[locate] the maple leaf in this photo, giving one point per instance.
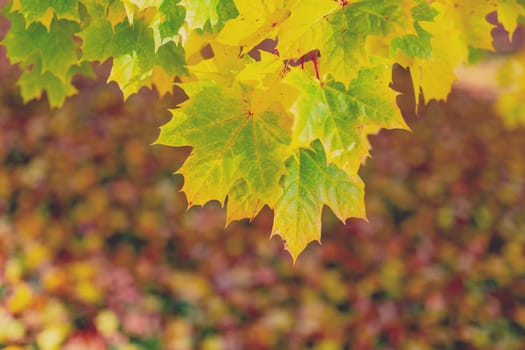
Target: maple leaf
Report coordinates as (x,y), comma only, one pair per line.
(49,58)
(341,33)
(43,11)
(436,75)
(286,20)
(305,15)
(165,18)
(167,23)
(55,48)
(246,145)
(469,16)
(416,44)
(224,66)
(135,56)
(139,59)
(257,20)
(116,12)
(261,74)
(35,81)
(340,118)
(171,58)
(508,13)
(97,35)
(309,183)
(344,51)
(203,13)
(194,42)
(242,203)
(455,28)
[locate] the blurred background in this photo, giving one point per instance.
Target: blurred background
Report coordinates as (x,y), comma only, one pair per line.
(98,251)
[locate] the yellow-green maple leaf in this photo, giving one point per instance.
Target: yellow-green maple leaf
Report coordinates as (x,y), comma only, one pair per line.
(435,75)
(224,66)
(341,117)
(242,203)
(294,33)
(55,48)
(257,20)
(44,11)
(230,142)
(33,83)
(310,183)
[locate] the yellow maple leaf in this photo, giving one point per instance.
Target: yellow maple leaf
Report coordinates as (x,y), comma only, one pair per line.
(449,48)
(257,21)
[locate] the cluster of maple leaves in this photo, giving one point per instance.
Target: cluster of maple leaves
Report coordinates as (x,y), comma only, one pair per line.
(263,131)
(102,254)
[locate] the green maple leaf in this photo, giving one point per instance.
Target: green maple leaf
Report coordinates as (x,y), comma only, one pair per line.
(171,57)
(164,17)
(341,118)
(344,34)
(310,183)
(133,49)
(134,54)
(417,45)
(55,48)
(374,100)
(20,48)
(242,203)
(170,19)
(97,35)
(35,81)
(43,10)
(136,37)
(230,142)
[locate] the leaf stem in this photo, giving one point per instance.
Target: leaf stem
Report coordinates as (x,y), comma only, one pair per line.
(312,54)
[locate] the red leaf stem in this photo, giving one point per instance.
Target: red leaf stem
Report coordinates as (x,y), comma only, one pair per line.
(312,54)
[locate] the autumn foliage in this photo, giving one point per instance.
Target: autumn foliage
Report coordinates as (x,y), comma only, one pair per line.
(282,94)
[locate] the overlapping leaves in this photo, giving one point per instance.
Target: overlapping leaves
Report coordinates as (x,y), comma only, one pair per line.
(292,154)
(280,113)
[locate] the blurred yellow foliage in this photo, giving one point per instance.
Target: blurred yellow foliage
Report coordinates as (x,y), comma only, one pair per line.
(106,322)
(21,298)
(52,337)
